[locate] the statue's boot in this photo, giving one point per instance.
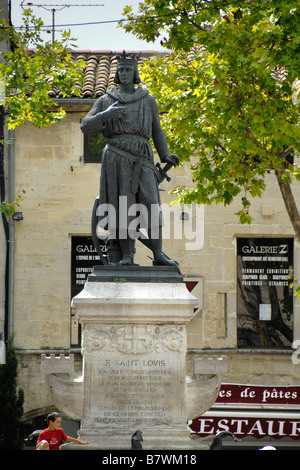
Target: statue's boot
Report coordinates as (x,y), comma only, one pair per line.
(126,261)
(164,260)
(114,252)
(160,258)
(128,251)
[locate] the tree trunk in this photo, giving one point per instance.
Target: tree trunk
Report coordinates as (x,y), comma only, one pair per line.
(289,202)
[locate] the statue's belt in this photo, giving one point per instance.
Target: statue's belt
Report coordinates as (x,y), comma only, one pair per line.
(139,162)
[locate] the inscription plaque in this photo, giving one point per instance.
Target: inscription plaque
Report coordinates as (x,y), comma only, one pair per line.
(134,370)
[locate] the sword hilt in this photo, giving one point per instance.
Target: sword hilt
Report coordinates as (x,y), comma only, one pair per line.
(163,171)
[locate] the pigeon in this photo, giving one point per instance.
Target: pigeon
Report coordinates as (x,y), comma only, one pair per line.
(31,440)
(136,440)
(267,448)
(217,442)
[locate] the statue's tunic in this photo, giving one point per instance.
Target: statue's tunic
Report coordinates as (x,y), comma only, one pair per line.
(127,161)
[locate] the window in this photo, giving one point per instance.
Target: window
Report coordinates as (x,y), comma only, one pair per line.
(264,292)
(94,144)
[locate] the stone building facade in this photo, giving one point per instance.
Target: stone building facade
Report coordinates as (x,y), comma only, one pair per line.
(60,186)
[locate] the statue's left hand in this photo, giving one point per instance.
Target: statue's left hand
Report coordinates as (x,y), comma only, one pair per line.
(173,159)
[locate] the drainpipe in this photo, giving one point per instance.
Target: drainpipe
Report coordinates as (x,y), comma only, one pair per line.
(8,223)
(11,241)
(4,221)
(8,227)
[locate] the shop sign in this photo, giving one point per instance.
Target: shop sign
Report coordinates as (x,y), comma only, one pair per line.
(252,422)
(247,425)
(257,394)
(83,259)
(265,296)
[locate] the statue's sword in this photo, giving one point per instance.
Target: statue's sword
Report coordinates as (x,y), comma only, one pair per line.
(162,172)
(94,222)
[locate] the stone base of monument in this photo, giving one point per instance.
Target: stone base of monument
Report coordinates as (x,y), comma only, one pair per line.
(134,363)
(152,440)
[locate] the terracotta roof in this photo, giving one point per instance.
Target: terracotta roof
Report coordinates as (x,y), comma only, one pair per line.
(100,68)
(99,71)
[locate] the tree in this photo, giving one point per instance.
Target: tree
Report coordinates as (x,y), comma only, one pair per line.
(11,403)
(29,71)
(229,93)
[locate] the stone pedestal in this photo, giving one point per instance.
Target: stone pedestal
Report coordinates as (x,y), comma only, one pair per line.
(134,348)
(134,354)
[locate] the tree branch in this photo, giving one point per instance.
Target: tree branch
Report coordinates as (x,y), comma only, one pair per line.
(185,13)
(289,202)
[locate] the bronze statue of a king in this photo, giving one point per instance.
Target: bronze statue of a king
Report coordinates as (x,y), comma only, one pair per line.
(129,199)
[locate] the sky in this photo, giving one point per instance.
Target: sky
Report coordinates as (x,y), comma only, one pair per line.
(102,36)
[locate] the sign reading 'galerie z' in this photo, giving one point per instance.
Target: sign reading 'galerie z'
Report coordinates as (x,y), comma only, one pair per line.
(265,269)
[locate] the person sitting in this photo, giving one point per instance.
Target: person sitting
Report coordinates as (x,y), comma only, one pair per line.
(51,437)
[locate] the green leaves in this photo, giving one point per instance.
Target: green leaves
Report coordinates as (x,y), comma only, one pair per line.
(228,94)
(9,208)
(30,76)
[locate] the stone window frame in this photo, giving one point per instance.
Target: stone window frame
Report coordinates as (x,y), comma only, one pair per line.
(88,155)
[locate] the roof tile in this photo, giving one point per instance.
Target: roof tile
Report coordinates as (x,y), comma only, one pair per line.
(99,72)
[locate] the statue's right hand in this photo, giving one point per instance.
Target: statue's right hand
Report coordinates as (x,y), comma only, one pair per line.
(113,111)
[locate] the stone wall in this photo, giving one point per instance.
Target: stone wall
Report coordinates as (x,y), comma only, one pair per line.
(254,367)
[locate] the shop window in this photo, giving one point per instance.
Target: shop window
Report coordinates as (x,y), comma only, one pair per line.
(264,292)
(94,144)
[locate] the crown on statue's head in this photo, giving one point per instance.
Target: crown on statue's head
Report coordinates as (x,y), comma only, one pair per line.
(127,59)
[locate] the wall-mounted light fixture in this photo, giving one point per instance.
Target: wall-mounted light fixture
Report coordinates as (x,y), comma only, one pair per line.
(184,216)
(17,216)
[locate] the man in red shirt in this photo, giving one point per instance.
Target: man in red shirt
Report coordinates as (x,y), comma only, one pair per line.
(51,437)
